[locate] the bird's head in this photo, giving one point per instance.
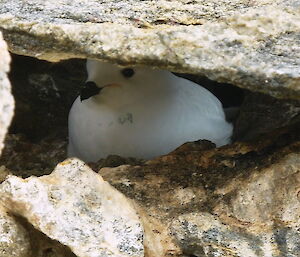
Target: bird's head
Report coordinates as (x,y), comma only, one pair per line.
(102,74)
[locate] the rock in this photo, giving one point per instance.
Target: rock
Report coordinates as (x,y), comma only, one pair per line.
(261,114)
(6,99)
(46,90)
(41,245)
(3,173)
(258,216)
(14,239)
(19,239)
(251,44)
(25,158)
(76,207)
(238,200)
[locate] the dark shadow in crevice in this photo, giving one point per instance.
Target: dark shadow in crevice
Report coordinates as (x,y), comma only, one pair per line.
(41,245)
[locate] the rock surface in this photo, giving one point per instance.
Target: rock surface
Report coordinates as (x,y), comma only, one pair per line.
(44,93)
(41,245)
(251,44)
(18,238)
(25,158)
(261,114)
(239,200)
(6,99)
(76,207)
(260,216)
(14,239)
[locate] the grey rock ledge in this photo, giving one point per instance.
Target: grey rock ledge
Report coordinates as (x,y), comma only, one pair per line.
(251,44)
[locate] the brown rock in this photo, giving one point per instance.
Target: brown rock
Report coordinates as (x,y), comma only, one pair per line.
(25,158)
(261,114)
(239,200)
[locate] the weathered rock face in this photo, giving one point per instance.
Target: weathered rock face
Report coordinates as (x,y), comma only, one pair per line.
(261,114)
(251,44)
(25,158)
(240,200)
(6,99)
(14,239)
(18,238)
(76,207)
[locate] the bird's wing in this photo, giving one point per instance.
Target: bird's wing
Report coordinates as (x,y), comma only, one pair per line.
(206,102)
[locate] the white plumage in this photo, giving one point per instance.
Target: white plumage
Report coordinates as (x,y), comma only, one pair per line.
(142,115)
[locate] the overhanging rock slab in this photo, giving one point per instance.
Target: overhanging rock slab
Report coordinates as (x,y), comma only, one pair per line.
(252,44)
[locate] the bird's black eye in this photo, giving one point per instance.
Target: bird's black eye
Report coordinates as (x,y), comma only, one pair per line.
(127,72)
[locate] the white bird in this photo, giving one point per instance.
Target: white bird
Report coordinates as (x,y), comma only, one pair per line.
(142,113)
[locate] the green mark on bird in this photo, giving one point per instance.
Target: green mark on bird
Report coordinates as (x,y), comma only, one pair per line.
(128,117)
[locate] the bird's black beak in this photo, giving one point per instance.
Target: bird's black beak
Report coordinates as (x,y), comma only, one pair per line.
(88,90)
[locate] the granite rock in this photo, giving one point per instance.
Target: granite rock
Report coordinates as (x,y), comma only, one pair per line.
(251,44)
(258,216)
(76,207)
(14,239)
(18,238)
(6,99)
(239,200)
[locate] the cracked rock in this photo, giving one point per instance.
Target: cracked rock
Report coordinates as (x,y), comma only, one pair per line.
(76,207)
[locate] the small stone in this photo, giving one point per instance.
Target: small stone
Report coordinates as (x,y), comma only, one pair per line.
(76,207)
